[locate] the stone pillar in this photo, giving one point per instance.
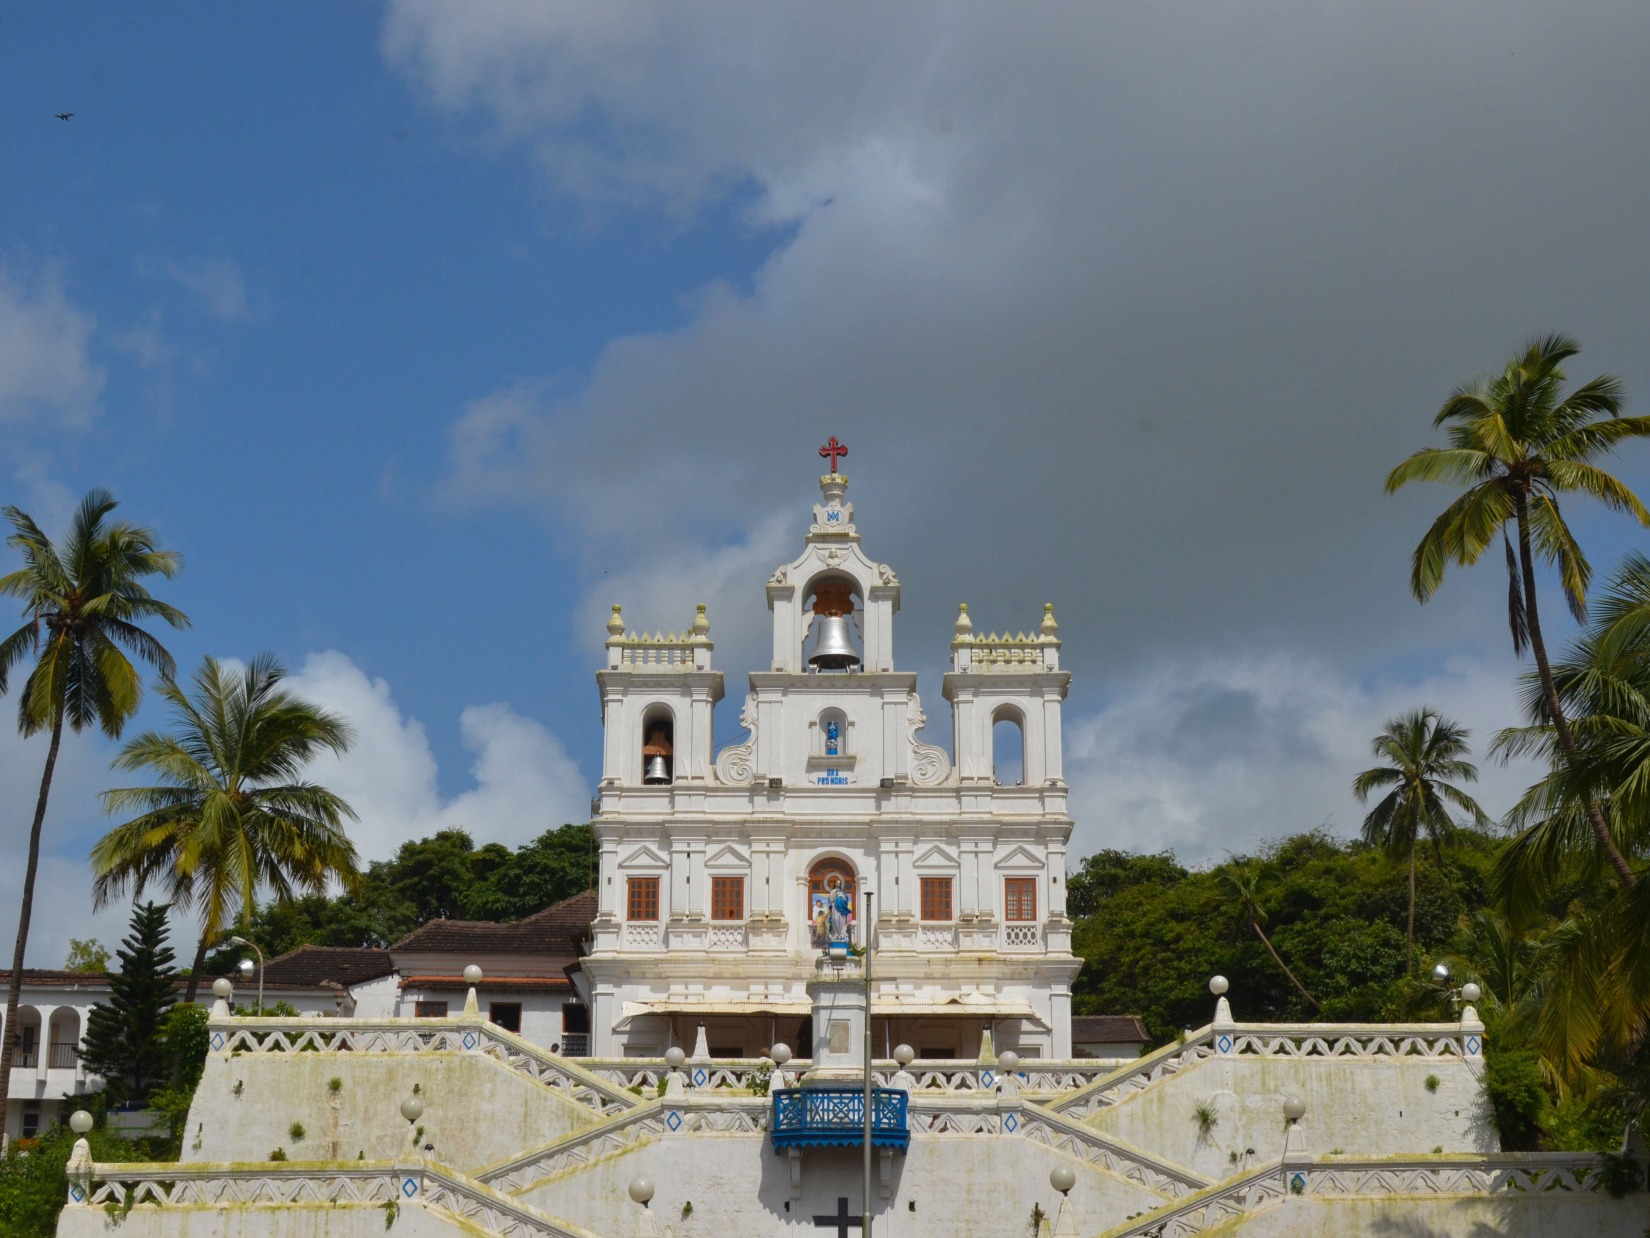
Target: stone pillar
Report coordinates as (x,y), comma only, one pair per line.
(838,996)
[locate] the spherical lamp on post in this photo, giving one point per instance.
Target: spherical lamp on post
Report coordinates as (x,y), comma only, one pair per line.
(472,977)
(412,1108)
(1470,993)
(1218,985)
(1062,1178)
(641,1190)
(904,1055)
(1294,1109)
(246,970)
(80,1121)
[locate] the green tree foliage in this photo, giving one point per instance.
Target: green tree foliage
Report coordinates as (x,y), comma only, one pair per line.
(33,1180)
(232,813)
(84,606)
(445,874)
(1157,931)
(124,1038)
(87,955)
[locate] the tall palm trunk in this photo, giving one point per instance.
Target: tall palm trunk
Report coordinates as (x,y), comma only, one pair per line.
(1409,942)
(1276,958)
(1549,692)
(25,909)
(195,971)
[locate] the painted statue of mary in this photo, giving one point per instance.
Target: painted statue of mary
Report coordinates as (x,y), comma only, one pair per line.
(839,908)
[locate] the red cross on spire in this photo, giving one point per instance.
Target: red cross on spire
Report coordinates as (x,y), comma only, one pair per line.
(832,450)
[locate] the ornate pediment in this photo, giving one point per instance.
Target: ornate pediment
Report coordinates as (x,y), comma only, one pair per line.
(936,857)
(1020,857)
(644,857)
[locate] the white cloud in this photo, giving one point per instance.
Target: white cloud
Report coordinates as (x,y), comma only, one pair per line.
(46,369)
(1215,757)
(524,781)
(216,283)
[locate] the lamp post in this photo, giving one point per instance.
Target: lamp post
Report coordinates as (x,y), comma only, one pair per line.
(865,1216)
(1294,1109)
(241,941)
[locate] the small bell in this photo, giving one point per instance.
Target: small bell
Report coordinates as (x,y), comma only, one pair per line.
(833,650)
(833,642)
(657,753)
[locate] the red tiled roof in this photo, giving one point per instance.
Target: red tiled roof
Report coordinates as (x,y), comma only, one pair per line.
(1108,1029)
(557,931)
(58,978)
(492,984)
(316,966)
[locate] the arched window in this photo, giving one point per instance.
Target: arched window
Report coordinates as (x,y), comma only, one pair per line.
(824,878)
(658,747)
(1008,748)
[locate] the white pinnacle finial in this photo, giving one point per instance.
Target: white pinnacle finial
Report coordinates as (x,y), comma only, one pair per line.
(965,625)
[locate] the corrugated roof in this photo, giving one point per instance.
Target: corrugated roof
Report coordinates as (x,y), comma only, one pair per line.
(1108,1029)
(557,931)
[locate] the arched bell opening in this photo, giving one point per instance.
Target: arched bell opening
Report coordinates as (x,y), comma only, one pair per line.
(834,627)
(1008,748)
(658,747)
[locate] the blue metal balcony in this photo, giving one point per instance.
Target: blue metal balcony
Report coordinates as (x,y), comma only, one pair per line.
(835,1118)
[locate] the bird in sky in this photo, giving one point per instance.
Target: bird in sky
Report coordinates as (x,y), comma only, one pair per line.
(64,115)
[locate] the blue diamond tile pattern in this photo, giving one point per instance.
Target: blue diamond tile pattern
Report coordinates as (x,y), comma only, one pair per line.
(1011,1123)
(217,1040)
(1224,1044)
(1297,1182)
(470,1040)
(76,1194)
(987,1079)
(700,1077)
(1472,1044)
(409,1188)
(674,1120)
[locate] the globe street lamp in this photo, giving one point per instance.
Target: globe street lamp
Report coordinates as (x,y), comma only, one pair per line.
(241,941)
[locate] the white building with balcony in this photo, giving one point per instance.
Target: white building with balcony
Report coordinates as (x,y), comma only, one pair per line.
(51,1020)
(714,866)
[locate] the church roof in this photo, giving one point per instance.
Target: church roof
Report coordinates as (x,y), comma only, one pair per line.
(557,930)
(1108,1029)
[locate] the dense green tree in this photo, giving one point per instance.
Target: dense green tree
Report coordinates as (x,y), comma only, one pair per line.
(1517,443)
(232,814)
(1422,750)
(84,607)
(124,1041)
(557,864)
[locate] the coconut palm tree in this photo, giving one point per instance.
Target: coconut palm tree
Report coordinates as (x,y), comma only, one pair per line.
(232,814)
(1518,443)
(1243,880)
(1421,749)
(84,608)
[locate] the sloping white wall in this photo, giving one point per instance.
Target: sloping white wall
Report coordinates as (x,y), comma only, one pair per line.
(1355,1105)
(246,1221)
(963,1186)
(475,1110)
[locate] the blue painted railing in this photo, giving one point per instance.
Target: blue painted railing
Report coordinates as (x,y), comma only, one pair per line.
(828,1117)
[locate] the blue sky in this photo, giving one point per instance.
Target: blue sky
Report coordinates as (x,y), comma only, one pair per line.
(427,331)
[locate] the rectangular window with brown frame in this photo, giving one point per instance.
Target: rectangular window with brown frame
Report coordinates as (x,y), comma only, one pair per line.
(643,900)
(727,898)
(936,900)
(1020,899)
(429,1010)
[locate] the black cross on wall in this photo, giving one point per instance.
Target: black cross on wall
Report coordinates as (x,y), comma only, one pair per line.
(841,1222)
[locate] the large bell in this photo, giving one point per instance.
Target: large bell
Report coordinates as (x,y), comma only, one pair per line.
(834,647)
(657,773)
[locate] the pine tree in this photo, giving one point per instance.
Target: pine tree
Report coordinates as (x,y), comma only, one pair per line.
(123,1039)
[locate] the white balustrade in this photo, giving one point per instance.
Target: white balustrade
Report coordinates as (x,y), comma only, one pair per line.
(1022,936)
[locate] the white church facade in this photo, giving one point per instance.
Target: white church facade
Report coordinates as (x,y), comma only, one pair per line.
(713,865)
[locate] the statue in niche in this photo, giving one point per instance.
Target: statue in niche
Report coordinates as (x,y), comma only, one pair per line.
(833,739)
(833,918)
